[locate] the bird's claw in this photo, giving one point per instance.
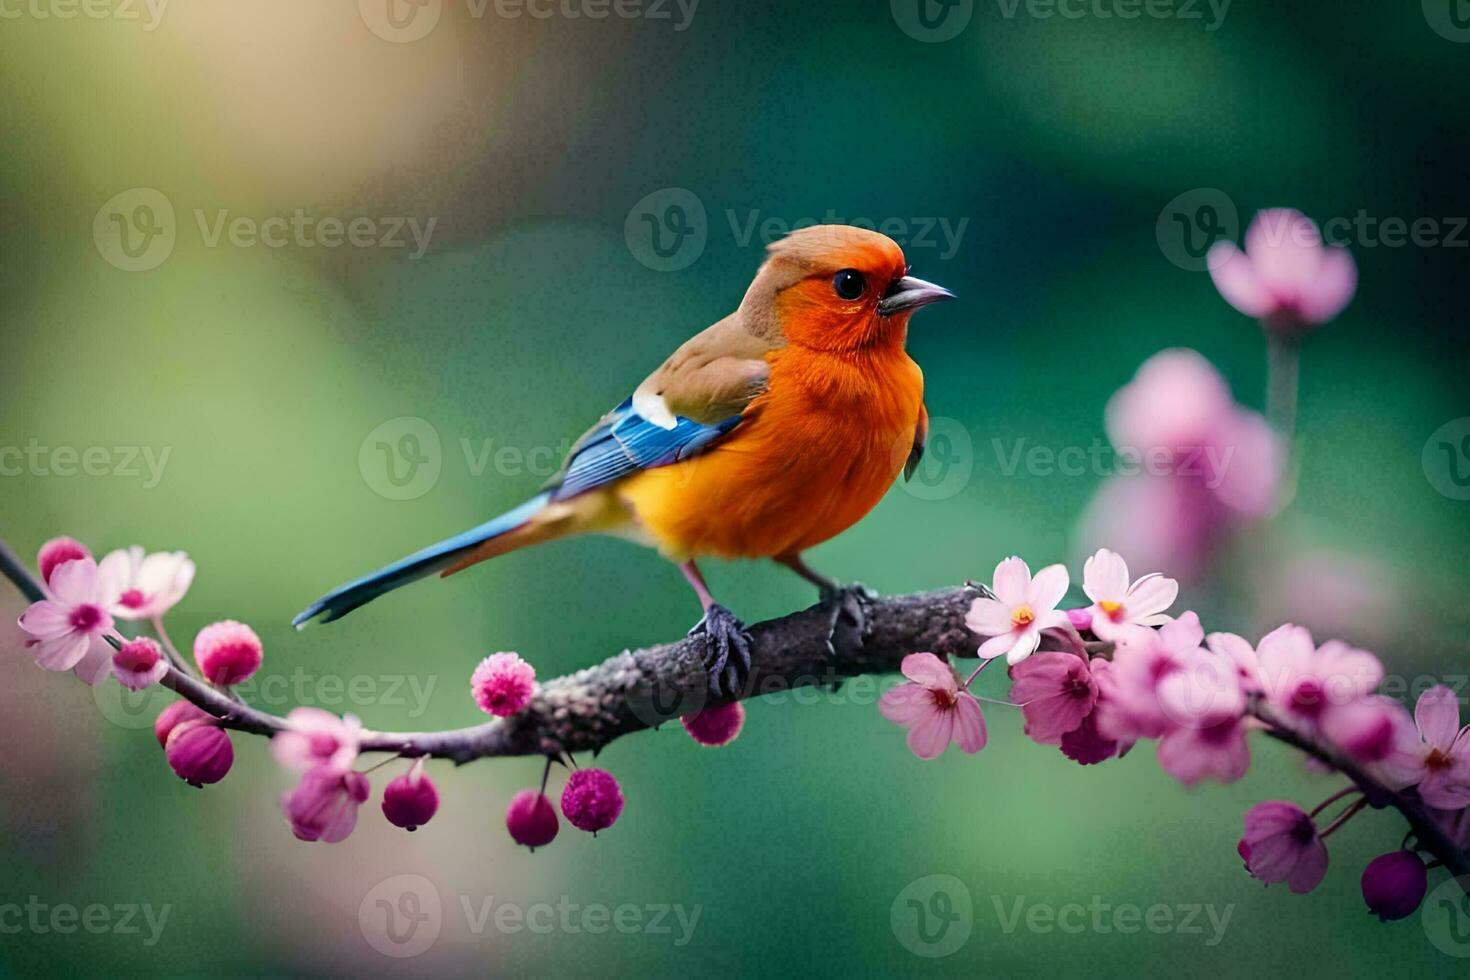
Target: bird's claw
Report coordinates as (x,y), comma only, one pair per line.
(724,634)
(848,607)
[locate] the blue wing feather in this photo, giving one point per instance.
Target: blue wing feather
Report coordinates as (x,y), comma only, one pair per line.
(624,442)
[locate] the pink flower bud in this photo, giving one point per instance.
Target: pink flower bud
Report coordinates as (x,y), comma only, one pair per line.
(591,800)
(323,806)
(174,715)
(1081,619)
(411,800)
(503,684)
(531,819)
(1394,884)
(227,652)
(139,663)
(56,551)
(199,752)
(717,725)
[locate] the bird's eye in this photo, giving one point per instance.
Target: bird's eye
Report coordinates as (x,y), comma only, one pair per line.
(849,284)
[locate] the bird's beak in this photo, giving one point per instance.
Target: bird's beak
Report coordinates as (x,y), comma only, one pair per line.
(910,293)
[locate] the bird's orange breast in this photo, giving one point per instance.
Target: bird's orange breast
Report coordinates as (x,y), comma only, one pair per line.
(812,456)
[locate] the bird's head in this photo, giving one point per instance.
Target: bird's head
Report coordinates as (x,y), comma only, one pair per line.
(836,287)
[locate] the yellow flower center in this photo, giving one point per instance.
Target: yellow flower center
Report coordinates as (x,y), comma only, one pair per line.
(1022,616)
(1113,609)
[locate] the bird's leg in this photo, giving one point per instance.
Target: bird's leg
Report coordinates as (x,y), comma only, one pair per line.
(848,603)
(723,634)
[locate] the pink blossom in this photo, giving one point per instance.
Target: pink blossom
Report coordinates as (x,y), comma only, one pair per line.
(227,652)
(1143,658)
(68,627)
(717,725)
(1303,681)
(56,551)
(503,684)
(174,715)
(1394,884)
(1118,604)
(411,800)
(146,586)
(591,800)
(1021,609)
(1086,744)
(1056,693)
(1281,844)
(315,738)
(199,752)
(323,806)
(531,819)
(1379,733)
(1286,277)
(933,708)
(1442,760)
(139,663)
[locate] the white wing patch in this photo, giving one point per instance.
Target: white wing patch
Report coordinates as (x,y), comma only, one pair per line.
(653,408)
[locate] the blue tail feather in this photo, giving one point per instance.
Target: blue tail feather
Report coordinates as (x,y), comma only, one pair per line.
(342,600)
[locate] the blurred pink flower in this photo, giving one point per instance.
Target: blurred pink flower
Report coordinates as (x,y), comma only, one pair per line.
(146,586)
(139,663)
(1205,706)
(56,551)
(933,708)
(323,806)
(1117,603)
(69,627)
(1303,681)
(1192,466)
(1286,277)
(503,684)
(1379,733)
(1056,693)
(1443,757)
(227,652)
(1281,844)
(1132,708)
(317,738)
(1021,609)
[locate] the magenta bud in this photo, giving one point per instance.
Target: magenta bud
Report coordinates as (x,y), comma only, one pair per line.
(531,819)
(716,726)
(1081,619)
(1394,884)
(199,752)
(174,715)
(411,800)
(56,551)
(227,652)
(591,800)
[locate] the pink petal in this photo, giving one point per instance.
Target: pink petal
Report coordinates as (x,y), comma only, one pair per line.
(1310,869)
(969,724)
(1105,577)
(1048,588)
(1236,279)
(94,667)
(116,571)
(1286,250)
(997,645)
(1438,716)
(1182,634)
(74,582)
(988,617)
(931,737)
(1012,581)
(929,670)
(65,651)
(1151,595)
(1026,644)
(1447,789)
(1331,288)
(907,704)
(1241,653)
(1287,648)
(46,620)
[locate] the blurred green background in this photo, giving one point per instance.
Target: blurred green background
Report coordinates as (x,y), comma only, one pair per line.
(1051,144)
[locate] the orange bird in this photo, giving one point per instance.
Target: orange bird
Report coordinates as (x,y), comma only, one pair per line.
(763,435)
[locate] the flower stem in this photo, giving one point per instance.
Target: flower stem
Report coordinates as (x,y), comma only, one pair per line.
(1334,798)
(976,673)
(1343,817)
(1283,369)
